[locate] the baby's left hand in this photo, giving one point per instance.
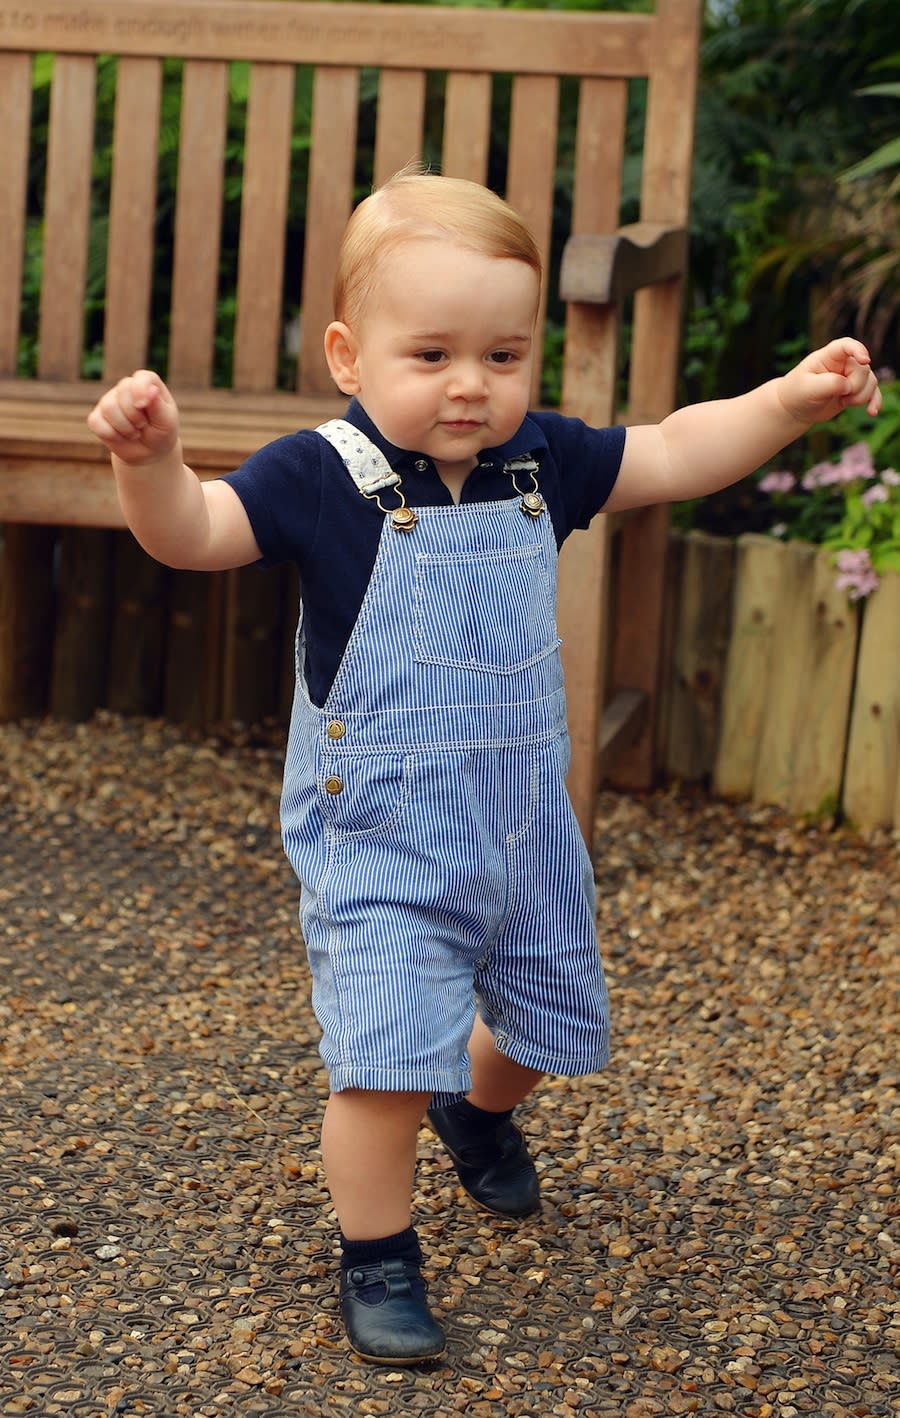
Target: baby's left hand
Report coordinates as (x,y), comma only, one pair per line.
(837,377)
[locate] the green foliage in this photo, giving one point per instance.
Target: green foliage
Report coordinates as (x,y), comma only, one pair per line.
(781,113)
(888,155)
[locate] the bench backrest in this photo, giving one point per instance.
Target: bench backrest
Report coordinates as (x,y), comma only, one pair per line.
(470,91)
(275,116)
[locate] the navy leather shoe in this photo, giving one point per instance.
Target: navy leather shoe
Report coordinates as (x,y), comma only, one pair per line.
(397,1328)
(496,1171)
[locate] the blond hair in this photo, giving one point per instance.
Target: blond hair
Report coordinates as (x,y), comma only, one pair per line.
(415,205)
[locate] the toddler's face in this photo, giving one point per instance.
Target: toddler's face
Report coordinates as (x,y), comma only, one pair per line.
(444,350)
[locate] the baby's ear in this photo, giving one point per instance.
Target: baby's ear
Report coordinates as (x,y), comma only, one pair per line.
(341,354)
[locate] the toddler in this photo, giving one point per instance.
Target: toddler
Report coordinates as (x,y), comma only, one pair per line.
(446,894)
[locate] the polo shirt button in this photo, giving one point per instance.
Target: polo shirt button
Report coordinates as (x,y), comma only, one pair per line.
(334,785)
(335,729)
(421,465)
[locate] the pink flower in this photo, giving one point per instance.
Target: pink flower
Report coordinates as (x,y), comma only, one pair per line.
(822,475)
(857,576)
(856,462)
(890,478)
(777,482)
(875,494)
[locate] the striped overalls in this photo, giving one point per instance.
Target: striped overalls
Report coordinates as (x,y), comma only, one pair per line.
(425,813)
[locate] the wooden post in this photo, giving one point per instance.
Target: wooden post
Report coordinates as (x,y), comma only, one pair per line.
(701,646)
(831,632)
(789,670)
(745,696)
(873,750)
(665,197)
(589,392)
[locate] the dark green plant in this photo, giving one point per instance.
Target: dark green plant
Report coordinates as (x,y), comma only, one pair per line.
(777,122)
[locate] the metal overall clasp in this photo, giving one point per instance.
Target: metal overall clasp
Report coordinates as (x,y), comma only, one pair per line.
(530,499)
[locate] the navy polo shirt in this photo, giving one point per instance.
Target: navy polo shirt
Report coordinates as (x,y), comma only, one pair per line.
(304,508)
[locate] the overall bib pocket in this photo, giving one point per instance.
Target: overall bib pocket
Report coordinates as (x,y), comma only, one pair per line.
(488,611)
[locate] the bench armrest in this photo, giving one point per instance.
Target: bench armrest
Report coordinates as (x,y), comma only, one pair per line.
(603,270)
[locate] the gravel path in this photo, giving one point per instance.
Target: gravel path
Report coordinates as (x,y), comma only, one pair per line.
(719,1232)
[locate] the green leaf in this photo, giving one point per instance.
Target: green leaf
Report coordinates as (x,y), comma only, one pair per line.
(886,90)
(886,156)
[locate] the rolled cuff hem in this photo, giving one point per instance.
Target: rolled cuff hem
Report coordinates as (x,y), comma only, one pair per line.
(396,1080)
(531,1056)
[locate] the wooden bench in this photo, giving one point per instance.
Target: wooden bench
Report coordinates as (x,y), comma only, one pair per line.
(477,93)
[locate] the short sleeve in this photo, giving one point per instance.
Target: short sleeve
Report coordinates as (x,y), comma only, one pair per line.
(280,487)
(586,462)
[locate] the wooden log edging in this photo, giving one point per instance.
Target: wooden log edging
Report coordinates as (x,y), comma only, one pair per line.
(700,630)
(789,680)
(872,781)
(809,718)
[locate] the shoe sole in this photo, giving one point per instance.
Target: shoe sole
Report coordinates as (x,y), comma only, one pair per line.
(492,1210)
(407,1362)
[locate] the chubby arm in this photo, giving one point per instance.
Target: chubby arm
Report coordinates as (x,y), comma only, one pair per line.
(179,520)
(704,447)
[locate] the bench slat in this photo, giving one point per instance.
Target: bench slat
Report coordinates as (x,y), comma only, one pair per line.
(405,36)
(264,204)
(467,126)
(401,115)
(329,202)
(199,220)
(129,265)
(15,85)
(66,216)
(531,173)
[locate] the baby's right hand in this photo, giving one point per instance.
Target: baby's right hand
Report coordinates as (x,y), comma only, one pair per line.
(137,420)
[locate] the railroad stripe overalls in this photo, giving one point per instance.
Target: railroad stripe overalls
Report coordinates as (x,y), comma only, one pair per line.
(425,814)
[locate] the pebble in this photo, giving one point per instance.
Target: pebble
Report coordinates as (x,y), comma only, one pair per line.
(718,1231)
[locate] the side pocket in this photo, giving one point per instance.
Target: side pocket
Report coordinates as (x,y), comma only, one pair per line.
(372,796)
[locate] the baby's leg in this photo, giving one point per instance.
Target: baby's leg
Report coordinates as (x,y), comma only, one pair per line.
(485,1146)
(369,1152)
(498,1083)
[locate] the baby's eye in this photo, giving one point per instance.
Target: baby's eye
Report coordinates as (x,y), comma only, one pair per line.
(431,356)
(501,357)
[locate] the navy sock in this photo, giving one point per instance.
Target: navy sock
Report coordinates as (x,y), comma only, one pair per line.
(402,1246)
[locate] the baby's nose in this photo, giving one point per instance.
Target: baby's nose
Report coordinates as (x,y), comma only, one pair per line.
(467,380)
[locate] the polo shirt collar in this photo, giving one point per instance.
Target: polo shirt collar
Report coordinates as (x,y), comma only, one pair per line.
(528,438)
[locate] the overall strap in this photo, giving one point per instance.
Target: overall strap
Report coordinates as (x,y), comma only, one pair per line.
(372,473)
(365,463)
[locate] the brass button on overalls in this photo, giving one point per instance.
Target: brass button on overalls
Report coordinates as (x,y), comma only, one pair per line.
(334,785)
(335,729)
